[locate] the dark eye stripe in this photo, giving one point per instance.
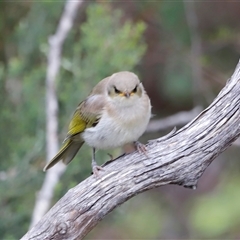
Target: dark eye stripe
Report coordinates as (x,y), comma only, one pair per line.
(116,90)
(135,89)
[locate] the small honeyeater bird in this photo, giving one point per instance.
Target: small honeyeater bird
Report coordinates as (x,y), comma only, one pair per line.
(115,113)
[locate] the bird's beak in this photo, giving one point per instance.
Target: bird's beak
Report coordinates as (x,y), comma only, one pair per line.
(126,94)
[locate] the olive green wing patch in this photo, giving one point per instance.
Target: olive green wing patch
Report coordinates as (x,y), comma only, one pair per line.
(77,124)
(87,114)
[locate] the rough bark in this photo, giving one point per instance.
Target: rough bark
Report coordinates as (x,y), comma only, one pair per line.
(178,158)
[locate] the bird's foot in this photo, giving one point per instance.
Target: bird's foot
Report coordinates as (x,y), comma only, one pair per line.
(96,169)
(141,148)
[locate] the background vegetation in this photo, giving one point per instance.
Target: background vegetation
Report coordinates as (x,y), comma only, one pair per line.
(183,52)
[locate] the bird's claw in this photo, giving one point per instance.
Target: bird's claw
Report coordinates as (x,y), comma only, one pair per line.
(96,169)
(141,148)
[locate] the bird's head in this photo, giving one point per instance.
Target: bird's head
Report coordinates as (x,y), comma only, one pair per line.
(124,88)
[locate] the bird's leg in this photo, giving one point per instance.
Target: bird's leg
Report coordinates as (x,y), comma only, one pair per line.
(141,148)
(95,167)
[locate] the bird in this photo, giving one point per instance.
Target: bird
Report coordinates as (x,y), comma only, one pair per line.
(115,113)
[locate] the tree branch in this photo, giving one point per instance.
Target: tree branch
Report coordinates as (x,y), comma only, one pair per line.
(178,158)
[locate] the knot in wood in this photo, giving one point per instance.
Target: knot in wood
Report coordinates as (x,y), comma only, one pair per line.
(62,228)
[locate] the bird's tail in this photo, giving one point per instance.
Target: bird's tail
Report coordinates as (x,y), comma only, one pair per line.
(66,153)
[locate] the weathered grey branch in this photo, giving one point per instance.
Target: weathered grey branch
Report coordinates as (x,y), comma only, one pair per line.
(179,158)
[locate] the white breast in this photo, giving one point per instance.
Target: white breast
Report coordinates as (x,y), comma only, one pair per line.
(117,128)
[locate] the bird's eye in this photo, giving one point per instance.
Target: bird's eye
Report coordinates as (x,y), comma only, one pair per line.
(135,89)
(116,90)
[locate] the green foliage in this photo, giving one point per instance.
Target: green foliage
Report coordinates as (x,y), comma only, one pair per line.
(34,29)
(113,46)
